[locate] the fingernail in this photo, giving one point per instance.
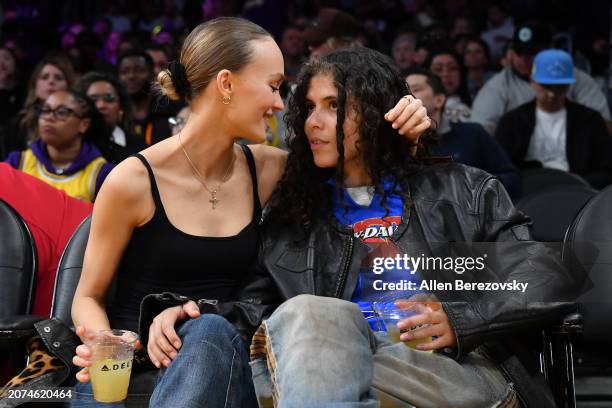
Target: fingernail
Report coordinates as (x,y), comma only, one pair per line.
(394,126)
(177,344)
(173,355)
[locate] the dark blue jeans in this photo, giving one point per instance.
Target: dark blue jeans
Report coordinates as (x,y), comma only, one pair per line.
(210,370)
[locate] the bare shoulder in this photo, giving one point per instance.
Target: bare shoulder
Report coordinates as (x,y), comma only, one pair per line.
(127,190)
(270,162)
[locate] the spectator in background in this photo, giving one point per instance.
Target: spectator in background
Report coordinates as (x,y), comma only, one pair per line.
(53,73)
(160,57)
(102,27)
(119,21)
(11,91)
(448,66)
(477,62)
(150,118)
(500,29)
(462,26)
(292,47)
(510,88)
(333,29)
(553,132)
(110,49)
(52,216)
(113,104)
(466,143)
(403,50)
(65,156)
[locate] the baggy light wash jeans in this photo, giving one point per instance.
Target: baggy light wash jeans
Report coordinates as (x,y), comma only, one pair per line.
(211,370)
(321,353)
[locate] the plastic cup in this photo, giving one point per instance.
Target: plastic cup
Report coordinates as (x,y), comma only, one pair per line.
(389,315)
(113,353)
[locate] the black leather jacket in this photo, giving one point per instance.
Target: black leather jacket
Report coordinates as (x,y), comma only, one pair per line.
(446,203)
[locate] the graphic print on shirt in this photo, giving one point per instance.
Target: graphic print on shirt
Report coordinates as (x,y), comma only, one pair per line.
(375,225)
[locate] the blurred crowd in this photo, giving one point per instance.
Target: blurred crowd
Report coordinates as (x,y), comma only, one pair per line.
(76,77)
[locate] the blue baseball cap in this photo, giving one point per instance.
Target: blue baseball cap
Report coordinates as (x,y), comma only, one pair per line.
(553,67)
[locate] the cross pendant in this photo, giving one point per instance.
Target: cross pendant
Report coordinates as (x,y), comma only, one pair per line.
(214,199)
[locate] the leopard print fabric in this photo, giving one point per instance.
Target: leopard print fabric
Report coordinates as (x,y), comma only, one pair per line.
(40,362)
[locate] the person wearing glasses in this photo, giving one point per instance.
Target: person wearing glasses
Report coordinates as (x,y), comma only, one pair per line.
(113,103)
(65,155)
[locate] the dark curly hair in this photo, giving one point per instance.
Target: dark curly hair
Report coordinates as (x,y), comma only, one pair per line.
(369,82)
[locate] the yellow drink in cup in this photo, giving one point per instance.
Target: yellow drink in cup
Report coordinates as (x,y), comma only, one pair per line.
(113,352)
(394,335)
(389,316)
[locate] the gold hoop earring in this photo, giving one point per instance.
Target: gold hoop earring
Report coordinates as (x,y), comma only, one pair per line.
(226,100)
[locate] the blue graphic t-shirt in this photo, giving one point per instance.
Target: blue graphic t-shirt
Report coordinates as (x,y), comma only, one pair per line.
(377,281)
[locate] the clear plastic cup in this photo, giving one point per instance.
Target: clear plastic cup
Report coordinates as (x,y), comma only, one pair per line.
(113,353)
(389,315)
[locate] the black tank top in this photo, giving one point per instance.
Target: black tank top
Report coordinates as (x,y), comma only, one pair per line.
(161,258)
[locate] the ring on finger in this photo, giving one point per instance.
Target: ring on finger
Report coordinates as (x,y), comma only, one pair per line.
(409,97)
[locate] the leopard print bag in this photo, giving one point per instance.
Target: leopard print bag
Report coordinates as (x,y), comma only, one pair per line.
(49,359)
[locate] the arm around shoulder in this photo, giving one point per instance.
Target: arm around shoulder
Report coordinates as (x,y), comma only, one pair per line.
(270,162)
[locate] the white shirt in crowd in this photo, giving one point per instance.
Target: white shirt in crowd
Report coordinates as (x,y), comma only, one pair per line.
(119,136)
(548,142)
(497,37)
(506,91)
(457,111)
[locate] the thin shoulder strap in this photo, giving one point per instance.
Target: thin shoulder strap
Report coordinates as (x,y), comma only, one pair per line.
(253,171)
(154,190)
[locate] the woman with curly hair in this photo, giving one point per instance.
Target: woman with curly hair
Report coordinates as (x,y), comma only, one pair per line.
(352,195)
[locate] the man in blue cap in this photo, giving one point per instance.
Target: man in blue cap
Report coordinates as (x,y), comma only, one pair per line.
(551,131)
(510,88)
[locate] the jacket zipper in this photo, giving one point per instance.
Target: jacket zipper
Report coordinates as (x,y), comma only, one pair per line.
(347,264)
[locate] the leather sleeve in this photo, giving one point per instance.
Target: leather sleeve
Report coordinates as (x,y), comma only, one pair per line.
(257,298)
(549,294)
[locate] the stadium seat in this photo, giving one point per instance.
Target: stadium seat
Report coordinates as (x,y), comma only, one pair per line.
(587,249)
(553,209)
(539,179)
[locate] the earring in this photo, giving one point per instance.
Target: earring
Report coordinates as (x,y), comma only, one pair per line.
(226,100)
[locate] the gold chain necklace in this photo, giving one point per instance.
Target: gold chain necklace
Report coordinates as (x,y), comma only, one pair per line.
(214,200)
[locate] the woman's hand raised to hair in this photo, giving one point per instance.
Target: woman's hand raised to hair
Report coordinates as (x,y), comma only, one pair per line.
(409,117)
(164,343)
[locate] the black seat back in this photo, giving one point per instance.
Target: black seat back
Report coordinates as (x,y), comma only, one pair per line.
(69,272)
(588,249)
(18,264)
(535,180)
(552,210)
